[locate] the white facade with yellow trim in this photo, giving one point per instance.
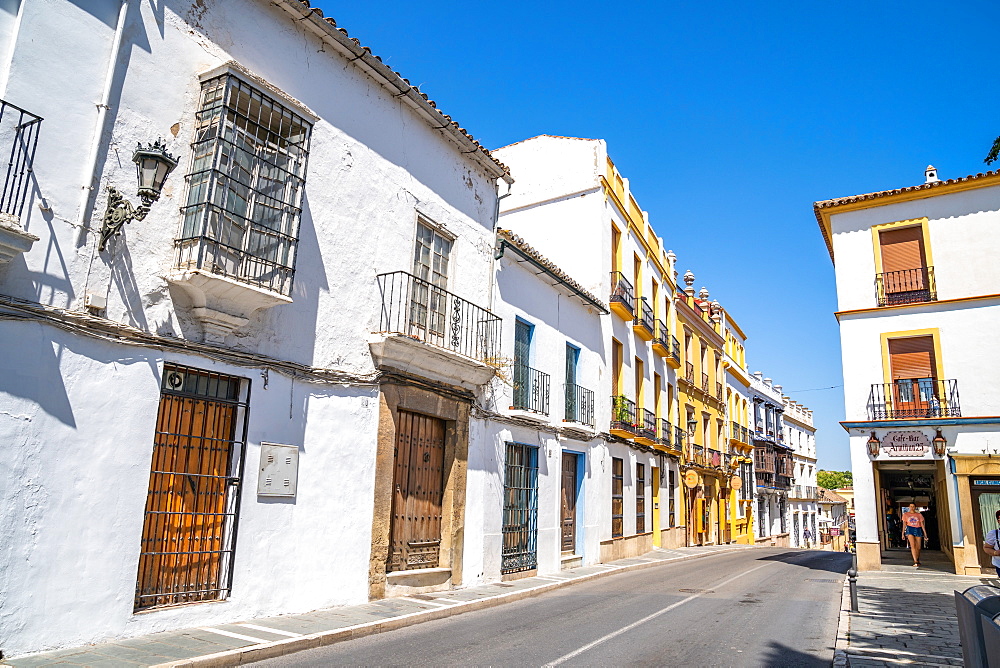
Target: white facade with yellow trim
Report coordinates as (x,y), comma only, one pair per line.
(919,303)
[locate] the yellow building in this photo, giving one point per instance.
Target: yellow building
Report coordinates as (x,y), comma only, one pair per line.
(738,406)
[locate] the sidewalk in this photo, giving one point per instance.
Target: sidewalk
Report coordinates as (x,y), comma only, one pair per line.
(906,615)
(257,639)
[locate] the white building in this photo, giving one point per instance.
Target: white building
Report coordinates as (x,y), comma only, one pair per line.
(575,209)
(772,461)
(800,436)
(317,198)
(917,286)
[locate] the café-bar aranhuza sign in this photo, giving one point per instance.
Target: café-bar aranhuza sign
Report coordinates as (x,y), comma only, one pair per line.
(906,444)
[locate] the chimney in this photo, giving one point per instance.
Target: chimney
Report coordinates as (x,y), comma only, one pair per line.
(930,174)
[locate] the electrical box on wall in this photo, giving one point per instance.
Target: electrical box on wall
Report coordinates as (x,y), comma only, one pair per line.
(279,470)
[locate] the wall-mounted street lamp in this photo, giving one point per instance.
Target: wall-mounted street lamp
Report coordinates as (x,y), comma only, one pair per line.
(152,165)
(873,445)
(692,425)
(940,444)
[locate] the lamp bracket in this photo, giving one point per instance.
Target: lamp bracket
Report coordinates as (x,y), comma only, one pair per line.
(119,212)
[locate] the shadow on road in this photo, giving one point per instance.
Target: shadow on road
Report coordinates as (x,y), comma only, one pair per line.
(817,560)
(783,655)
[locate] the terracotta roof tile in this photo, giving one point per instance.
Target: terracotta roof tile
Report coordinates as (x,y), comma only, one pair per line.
(825,204)
(400,83)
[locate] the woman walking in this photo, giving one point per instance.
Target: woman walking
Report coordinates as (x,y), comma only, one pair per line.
(914,531)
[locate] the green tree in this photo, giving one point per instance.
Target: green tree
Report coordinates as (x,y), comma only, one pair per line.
(994,153)
(834,479)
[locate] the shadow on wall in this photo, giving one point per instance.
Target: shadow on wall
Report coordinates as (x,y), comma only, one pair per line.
(38,377)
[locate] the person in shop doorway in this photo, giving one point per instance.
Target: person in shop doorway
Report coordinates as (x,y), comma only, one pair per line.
(992,546)
(807,537)
(914,532)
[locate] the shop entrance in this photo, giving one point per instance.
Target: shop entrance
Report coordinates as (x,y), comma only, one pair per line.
(898,484)
(985,504)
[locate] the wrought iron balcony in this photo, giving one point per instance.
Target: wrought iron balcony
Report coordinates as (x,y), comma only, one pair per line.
(622,299)
(623,417)
(661,339)
(643,325)
(579,405)
(696,455)
(666,433)
(531,390)
(914,399)
(646,432)
(718,391)
(19,137)
(675,353)
(689,372)
(427,313)
(910,286)
(679,438)
(738,432)
(704,382)
(713,458)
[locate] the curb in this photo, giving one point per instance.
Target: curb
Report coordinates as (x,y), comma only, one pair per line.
(276,648)
(840,659)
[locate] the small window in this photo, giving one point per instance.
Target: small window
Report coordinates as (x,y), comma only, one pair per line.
(248,166)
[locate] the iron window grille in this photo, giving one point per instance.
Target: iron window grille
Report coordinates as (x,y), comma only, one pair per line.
(617,497)
(520,509)
(192,506)
(19,129)
(671,499)
(248,166)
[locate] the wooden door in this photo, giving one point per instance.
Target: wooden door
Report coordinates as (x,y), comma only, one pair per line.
(418,490)
(189,525)
(655,477)
(568,515)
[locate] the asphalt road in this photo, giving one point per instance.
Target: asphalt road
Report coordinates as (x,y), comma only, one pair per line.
(761,607)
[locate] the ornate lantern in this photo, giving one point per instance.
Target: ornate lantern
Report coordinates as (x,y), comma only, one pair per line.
(940,444)
(152,165)
(873,445)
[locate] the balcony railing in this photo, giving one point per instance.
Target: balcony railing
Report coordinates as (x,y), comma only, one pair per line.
(704,382)
(579,405)
(661,337)
(644,314)
(19,138)
(666,433)
(718,391)
(679,438)
(647,425)
(420,310)
(914,398)
(910,286)
(623,414)
(689,372)
(803,492)
(696,455)
(622,292)
(531,390)
(675,349)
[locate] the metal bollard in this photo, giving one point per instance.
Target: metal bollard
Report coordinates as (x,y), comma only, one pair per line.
(852,581)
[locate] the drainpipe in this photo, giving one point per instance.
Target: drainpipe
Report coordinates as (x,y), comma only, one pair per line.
(496,226)
(102,118)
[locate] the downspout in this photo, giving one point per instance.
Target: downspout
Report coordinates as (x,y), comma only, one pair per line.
(102,116)
(496,254)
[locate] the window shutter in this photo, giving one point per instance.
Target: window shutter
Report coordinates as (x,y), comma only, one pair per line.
(912,357)
(902,249)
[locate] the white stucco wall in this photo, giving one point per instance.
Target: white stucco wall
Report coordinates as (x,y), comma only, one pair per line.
(77,414)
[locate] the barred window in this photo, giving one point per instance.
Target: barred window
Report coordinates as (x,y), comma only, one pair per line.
(245,186)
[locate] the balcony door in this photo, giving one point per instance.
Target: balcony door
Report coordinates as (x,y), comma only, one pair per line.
(522,372)
(429,297)
(572,395)
(913,366)
(904,277)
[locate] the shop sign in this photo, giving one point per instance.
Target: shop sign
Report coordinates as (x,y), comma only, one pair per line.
(736,482)
(906,444)
(692,479)
(986,483)
(834,531)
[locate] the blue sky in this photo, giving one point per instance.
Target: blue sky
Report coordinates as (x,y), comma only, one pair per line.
(730,120)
